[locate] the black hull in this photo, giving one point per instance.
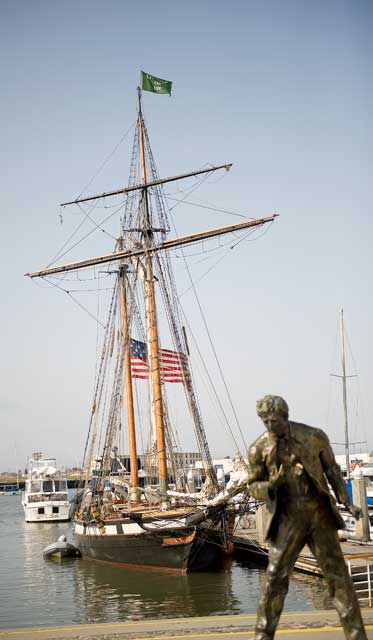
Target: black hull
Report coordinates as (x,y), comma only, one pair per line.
(173,551)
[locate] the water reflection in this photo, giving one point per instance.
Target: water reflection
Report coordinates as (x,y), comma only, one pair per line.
(46,585)
(314,589)
(38,592)
(305,592)
(108,592)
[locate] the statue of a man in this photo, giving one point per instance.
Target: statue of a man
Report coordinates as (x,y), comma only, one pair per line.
(290,466)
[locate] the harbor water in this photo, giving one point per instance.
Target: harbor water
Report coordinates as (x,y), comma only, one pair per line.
(38,592)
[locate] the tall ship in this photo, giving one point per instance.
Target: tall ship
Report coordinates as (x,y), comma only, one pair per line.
(144,513)
(45,498)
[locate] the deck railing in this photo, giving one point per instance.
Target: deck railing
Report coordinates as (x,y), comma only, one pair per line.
(47,497)
(362,575)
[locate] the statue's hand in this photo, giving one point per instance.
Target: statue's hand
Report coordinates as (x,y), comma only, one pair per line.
(355,511)
(277,479)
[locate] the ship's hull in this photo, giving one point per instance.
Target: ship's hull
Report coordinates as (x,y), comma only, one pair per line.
(180,550)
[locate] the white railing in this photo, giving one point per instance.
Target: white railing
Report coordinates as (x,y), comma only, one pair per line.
(47,497)
(362,578)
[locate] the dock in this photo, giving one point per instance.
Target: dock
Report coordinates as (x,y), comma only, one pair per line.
(306,625)
(356,553)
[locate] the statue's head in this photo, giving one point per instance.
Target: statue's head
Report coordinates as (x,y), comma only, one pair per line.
(272,404)
(274,412)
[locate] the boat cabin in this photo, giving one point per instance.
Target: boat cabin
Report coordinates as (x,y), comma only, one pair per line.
(45,490)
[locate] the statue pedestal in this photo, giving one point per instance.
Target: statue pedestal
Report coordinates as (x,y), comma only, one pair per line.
(359,498)
(261,518)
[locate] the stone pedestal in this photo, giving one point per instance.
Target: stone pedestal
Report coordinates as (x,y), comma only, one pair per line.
(359,498)
(261,518)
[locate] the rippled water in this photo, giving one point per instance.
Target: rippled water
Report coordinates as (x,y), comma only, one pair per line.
(38,592)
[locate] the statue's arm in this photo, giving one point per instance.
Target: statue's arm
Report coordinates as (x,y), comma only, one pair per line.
(333,473)
(258,482)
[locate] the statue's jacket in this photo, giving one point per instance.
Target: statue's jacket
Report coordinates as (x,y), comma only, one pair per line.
(312,448)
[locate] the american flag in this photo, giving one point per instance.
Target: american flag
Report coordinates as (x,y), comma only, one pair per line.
(172,363)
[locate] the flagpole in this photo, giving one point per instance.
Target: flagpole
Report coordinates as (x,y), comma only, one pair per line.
(139,96)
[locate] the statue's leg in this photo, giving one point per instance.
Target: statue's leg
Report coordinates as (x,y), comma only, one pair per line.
(283,552)
(325,546)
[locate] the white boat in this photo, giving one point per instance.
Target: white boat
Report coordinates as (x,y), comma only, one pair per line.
(9,490)
(367,471)
(45,498)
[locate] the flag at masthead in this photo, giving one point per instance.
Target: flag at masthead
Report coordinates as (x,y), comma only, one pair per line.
(156,85)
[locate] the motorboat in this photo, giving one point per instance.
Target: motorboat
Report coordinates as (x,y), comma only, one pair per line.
(45,498)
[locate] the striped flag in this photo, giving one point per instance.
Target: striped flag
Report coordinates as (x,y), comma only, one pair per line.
(173,364)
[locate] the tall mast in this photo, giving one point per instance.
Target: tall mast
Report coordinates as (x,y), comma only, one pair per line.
(134,482)
(347,447)
(151,321)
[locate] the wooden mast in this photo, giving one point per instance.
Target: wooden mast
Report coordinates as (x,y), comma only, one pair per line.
(134,481)
(151,321)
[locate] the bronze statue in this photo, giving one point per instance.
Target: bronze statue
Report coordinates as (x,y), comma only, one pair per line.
(289,467)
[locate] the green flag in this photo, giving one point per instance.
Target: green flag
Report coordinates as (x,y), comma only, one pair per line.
(156,85)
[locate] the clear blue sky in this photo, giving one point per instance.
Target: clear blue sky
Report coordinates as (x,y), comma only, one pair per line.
(281,89)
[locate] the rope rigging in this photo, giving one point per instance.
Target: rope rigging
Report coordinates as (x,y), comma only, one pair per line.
(145,221)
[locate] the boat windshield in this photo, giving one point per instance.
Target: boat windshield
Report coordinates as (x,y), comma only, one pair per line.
(48,486)
(60,485)
(35,487)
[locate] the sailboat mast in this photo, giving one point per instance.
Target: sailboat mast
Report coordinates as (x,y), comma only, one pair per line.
(347,446)
(152,326)
(134,481)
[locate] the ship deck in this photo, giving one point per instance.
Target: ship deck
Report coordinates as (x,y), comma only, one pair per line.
(150,511)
